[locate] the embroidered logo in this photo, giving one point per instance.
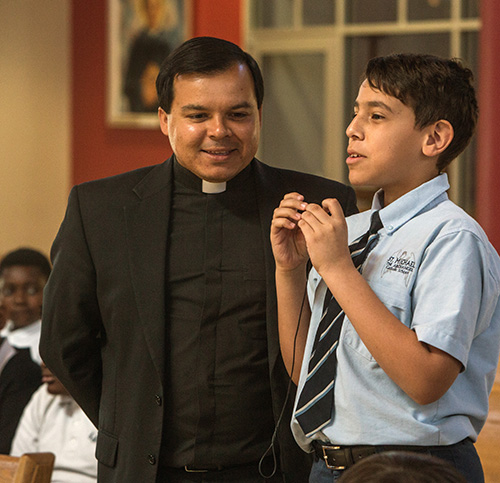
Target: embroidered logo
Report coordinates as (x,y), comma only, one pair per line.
(400,262)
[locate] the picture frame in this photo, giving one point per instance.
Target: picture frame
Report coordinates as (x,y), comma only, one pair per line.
(141,33)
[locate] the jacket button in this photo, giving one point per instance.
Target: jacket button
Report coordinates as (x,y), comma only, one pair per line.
(152,459)
(158,399)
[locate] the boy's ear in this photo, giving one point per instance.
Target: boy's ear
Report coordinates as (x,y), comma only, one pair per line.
(439,136)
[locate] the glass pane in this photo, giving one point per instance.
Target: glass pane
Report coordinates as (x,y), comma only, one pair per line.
(428,9)
(275,14)
(318,12)
(293,118)
(367,11)
(470,8)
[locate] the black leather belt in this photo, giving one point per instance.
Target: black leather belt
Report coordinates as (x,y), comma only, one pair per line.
(342,457)
(210,468)
(192,469)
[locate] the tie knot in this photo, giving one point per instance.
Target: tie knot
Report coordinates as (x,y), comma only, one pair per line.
(376,223)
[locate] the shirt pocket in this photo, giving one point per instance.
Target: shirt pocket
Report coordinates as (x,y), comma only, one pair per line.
(396,299)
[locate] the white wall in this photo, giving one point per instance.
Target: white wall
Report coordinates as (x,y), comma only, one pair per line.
(35,123)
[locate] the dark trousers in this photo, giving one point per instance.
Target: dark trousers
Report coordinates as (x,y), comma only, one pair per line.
(462,456)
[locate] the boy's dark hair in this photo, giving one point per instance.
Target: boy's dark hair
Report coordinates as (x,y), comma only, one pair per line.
(26,257)
(204,55)
(402,467)
(435,88)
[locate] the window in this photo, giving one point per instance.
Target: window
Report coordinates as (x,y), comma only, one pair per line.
(312,53)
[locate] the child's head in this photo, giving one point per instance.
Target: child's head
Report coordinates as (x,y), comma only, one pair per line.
(435,88)
(23,274)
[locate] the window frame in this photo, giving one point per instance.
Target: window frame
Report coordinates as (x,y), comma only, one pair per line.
(330,40)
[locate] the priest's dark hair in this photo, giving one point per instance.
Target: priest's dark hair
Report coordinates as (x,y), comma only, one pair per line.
(204,55)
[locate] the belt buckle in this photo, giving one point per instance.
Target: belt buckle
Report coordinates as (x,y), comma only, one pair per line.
(187,469)
(325,457)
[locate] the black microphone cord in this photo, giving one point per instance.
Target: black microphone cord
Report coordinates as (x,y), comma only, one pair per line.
(271,447)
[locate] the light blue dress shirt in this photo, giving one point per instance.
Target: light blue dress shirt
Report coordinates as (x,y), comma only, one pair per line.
(436,271)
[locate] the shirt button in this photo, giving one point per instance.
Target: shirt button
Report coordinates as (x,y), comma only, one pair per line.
(152,459)
(158,399)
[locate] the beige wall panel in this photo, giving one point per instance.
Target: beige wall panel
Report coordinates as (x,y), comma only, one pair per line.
(34,120)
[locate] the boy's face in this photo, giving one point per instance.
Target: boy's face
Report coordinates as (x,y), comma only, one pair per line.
(22,294)
(385,147)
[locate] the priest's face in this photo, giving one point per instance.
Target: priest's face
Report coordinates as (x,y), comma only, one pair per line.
(214,123)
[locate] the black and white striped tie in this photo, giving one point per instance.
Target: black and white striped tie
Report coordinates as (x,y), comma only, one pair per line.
(315,405)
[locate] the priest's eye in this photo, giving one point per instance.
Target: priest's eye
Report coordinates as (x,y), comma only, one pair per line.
(198,116)
(238,115)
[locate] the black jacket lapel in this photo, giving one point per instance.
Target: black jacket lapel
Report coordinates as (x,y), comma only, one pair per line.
(147,229)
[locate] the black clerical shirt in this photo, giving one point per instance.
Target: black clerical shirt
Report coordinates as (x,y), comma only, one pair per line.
(218,409)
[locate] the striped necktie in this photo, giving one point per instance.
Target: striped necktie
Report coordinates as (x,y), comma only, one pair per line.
(315,405)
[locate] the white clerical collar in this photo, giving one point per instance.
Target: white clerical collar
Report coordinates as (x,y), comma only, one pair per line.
(213,188)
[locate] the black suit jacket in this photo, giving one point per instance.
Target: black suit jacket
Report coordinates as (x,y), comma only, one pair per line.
(19,379)
(104,310)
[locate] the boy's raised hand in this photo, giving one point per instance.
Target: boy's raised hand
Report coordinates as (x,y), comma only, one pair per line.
(325,232)
(287,240)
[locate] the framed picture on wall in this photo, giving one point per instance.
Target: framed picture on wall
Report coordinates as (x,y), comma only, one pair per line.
(141,33)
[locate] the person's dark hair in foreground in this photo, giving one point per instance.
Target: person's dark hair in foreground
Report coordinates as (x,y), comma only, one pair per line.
(402,467)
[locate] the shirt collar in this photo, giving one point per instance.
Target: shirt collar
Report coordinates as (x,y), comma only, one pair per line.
(21,333)
(409,205)
(189,180)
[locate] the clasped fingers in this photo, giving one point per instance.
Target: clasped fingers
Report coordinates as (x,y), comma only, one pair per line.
(289,211)
(325,232)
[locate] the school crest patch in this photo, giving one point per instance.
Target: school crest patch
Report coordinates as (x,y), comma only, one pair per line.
(401,262)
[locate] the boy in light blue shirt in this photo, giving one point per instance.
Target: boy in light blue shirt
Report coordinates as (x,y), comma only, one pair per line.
(419,322)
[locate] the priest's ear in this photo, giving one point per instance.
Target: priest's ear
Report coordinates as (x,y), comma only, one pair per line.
(163,117)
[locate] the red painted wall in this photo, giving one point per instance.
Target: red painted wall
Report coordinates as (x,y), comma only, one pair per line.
(98,150)
(487,165)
